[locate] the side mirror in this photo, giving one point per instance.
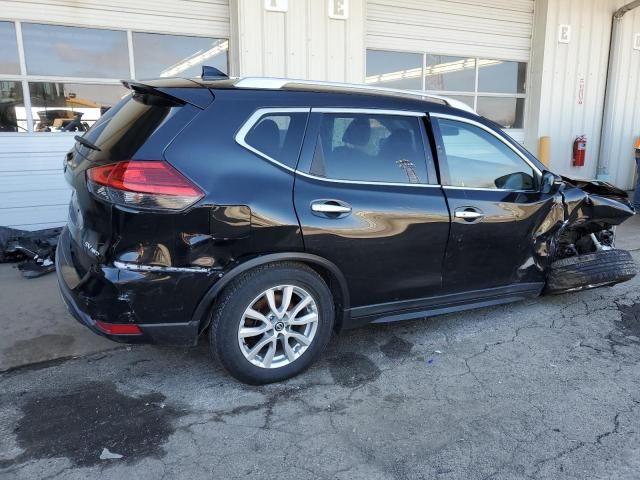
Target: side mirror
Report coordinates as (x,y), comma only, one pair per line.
(550,182)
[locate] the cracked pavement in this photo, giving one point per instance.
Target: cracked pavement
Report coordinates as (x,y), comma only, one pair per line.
(543,389)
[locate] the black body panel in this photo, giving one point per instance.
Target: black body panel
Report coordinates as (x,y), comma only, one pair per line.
(499,248)
(442,304)
(389,248)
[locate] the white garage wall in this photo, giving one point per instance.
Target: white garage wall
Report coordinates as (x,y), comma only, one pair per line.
(33,192)
(300,43)
(556,71)
(560,67)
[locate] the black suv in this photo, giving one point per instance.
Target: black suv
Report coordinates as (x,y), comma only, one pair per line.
(272,212)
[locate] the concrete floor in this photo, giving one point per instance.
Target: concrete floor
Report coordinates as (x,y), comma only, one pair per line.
(543,389)
(35,323)
(628,234)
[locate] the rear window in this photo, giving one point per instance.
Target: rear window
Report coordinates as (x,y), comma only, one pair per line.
(126,126)
(278,136)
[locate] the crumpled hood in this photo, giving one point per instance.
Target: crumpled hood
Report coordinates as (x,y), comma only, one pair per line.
(597,187)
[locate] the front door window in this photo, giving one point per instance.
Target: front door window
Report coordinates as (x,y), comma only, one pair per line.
(478,159)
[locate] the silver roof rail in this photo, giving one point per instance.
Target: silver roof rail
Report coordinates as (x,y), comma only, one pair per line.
(272,83)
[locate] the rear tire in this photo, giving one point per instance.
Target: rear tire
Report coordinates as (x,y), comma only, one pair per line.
(598,269)
(260,307)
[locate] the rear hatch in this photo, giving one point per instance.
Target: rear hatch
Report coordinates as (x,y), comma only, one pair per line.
(138,128)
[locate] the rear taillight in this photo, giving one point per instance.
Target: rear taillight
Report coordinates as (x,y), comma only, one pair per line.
(152,185)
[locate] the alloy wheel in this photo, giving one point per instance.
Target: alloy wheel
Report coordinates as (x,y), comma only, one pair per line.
(278,326)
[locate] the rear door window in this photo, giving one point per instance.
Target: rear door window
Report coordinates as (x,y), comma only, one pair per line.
(277,135)
(371,148)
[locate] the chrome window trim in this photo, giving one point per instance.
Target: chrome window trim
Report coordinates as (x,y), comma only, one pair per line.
(362,182)
(256,115)
(486,189)
(508,143)
(253,119)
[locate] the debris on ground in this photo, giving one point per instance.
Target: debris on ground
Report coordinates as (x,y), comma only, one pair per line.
(107,455)
(35,250)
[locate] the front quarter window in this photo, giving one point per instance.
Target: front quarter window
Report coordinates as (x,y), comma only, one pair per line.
(478,159)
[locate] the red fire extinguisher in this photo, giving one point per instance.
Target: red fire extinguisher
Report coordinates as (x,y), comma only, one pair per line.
(579,151)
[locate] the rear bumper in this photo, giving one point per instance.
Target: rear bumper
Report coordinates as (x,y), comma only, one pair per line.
(113,295)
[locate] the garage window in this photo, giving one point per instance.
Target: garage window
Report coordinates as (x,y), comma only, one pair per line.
(450,74)
(496,89)
(395,70)
(9,62)
(159,55)
(71,107)
(12,113)
(61,79)
(75,52)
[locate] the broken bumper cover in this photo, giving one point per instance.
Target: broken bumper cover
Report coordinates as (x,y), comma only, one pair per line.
(102,296)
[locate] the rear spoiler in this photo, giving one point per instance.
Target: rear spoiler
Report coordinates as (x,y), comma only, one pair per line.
(197,95)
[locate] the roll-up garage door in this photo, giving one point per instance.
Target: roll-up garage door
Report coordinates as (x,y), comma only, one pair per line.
(474,50)
(481,28)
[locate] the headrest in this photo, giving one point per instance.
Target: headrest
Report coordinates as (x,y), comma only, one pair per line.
(358,132)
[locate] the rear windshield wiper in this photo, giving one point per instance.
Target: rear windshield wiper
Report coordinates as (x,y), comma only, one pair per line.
(86,143)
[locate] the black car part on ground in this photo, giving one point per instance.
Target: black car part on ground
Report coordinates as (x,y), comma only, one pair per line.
(34,249)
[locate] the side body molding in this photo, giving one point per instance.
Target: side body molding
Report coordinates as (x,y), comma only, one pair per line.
(201,312)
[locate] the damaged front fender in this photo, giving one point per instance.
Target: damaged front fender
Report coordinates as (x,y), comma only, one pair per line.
(589,208)
(588,213)
(596,187)
(578,210)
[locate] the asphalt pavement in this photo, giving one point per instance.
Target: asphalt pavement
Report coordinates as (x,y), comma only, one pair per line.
(542,389)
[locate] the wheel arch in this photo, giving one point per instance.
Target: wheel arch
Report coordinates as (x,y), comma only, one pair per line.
(329,272)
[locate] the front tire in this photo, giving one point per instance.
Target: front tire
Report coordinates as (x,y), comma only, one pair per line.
(591,270)
(272,322)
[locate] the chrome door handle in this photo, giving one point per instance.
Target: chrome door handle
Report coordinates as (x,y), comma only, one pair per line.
(330,208)
(469,215)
